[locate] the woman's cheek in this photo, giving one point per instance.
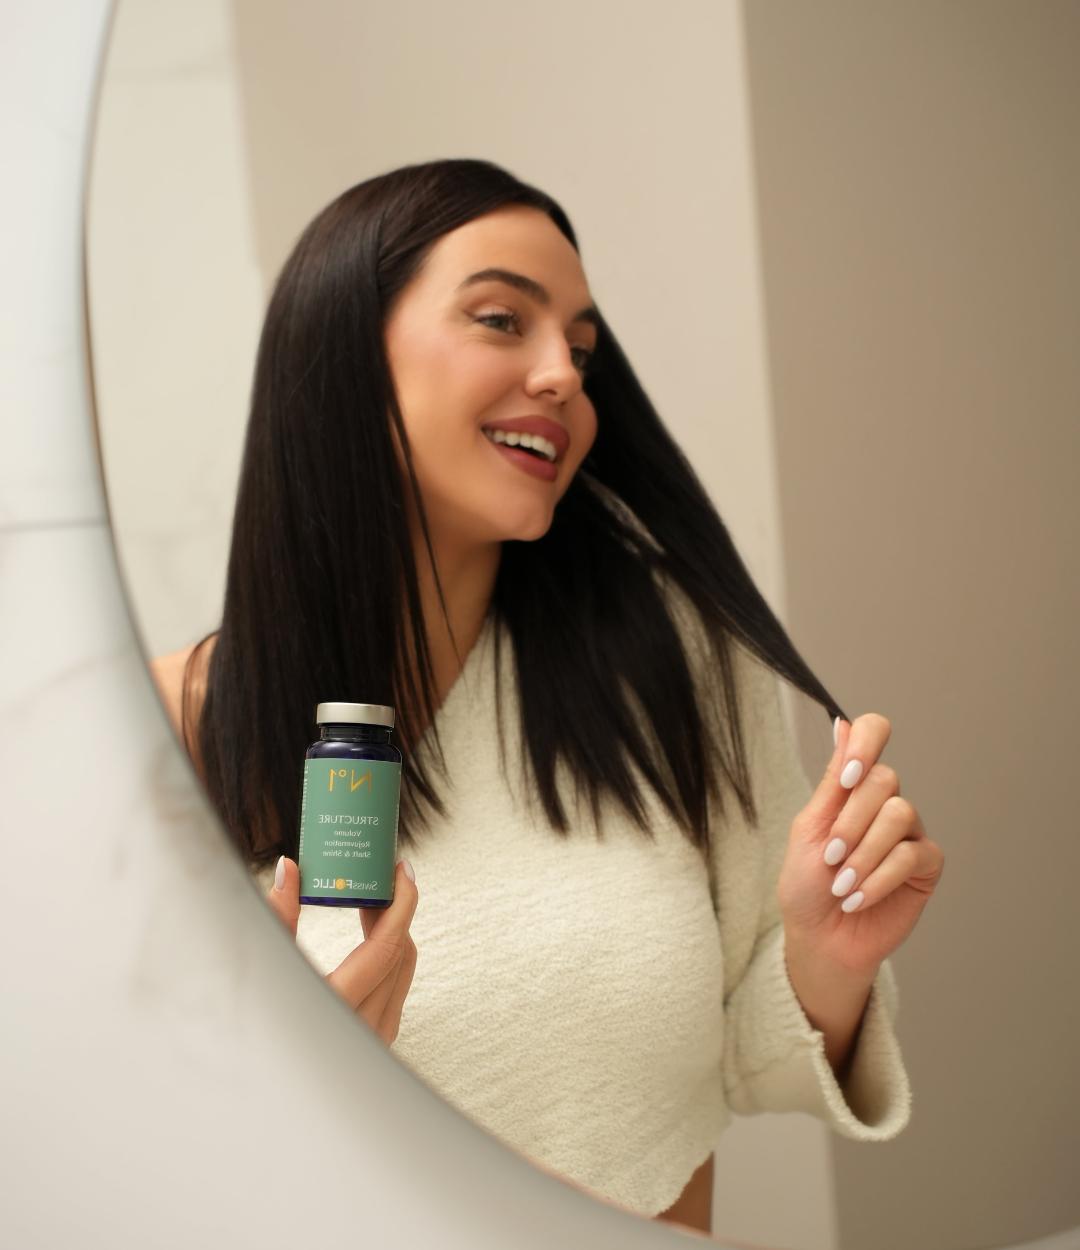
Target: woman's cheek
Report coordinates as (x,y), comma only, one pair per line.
(586,438)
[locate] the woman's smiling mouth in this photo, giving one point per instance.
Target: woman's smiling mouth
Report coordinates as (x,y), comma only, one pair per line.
(533,461)
(543,435)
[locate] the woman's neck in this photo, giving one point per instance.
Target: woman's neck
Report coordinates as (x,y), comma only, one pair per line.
(468,583)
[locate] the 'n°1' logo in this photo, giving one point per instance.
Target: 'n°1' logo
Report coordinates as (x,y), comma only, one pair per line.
(354,781)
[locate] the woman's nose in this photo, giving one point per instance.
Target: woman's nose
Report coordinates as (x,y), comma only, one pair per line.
(556,372)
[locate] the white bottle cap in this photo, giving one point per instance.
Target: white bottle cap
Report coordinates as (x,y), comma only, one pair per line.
(354,714)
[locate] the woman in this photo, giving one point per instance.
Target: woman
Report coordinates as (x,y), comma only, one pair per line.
(601,985)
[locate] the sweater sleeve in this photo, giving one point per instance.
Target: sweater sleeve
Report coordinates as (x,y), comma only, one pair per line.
(774,1059)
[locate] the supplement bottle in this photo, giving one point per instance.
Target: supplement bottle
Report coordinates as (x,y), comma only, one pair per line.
(349,808)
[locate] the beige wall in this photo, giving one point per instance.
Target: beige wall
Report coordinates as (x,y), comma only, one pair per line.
(175,301)
(918,176)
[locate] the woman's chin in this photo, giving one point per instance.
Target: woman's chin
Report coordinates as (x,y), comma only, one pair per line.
(517,524)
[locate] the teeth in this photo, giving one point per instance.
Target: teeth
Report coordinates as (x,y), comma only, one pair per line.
(513,439)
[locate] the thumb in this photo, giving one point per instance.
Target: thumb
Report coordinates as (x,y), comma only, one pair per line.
(829,797)
(284,896)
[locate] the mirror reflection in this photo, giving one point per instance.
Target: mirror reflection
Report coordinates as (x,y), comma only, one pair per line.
(447,436)
(582,681)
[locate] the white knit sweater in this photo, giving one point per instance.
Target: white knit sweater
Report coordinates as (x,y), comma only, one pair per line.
(604,1006)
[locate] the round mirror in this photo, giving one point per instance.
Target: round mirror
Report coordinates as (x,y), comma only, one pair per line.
(343,263)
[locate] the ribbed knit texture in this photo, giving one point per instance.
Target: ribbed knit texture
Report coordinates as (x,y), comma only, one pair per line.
(604,1006)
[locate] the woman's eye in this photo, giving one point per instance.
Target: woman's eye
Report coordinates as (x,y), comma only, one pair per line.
(585,357)
(504,317)
(584,354)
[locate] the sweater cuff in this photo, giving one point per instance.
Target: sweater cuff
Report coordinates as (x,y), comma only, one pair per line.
(768,1021)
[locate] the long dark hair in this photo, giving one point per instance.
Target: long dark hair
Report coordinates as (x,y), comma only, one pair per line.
(320,544)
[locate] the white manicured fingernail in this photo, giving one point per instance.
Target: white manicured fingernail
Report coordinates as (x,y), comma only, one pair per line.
(836,731)
(844,881)
(407,868)
(852,772)
(835,851)
(849,904)
(279,873)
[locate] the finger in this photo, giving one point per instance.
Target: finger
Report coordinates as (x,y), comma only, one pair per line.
(859,812)
(391,1017)
(381,1010)
(913,864)
(895,821)
(858,746)
(371,1009)
(364,969)
(285,900)
(376,1009)
(369,916)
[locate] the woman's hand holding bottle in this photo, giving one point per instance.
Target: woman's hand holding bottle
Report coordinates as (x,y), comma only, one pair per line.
(374,978)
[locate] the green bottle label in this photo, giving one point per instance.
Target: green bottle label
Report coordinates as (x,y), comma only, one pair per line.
(348,828)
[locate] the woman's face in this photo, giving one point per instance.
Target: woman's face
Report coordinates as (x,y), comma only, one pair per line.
(466,353)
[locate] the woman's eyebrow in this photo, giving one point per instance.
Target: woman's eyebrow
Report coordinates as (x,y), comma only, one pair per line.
(531,287)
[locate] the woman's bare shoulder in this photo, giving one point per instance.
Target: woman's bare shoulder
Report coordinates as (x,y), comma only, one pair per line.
(168,674)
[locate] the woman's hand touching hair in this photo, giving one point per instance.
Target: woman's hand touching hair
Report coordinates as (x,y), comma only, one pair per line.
(856,830)
(375,976)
